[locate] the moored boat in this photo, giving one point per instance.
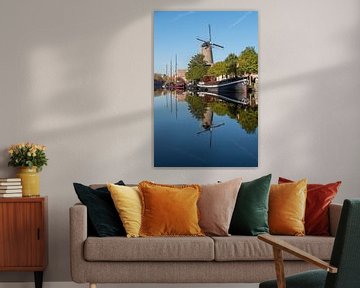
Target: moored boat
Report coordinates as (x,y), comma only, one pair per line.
(227,97)
(234,85)
(180,85)
(234,89)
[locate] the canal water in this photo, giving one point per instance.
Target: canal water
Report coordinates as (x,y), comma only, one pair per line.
(198,130)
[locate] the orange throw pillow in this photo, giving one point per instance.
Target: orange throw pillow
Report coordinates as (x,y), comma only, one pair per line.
(287,204)
(318,200)
(169,210)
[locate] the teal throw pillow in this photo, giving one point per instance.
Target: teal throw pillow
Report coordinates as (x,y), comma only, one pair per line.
(103,219)
(250,216)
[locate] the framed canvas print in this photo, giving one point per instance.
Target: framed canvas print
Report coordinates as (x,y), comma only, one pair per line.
(205,89)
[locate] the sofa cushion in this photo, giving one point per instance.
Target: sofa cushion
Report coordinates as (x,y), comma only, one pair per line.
(244,248)
(127,201)
(250,215)
(102,216)
(287,204)
(149,249)
(318,199)
(216,205)
(169,210)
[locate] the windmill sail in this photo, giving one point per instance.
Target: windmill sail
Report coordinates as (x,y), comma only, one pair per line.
(206,48)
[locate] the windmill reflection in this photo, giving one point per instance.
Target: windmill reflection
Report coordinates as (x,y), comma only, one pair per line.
(208,125)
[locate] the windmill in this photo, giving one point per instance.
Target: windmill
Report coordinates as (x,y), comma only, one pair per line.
(207,123)
(206,49)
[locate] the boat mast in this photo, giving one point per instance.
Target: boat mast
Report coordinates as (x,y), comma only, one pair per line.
(175,67)
(171,70)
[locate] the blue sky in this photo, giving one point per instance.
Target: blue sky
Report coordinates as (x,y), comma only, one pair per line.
(175,32)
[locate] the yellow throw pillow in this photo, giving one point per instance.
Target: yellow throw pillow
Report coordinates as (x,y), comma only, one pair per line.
(127,201)
(169,210)
(287,204)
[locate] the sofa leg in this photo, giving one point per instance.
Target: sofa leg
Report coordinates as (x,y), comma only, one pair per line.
(92,285)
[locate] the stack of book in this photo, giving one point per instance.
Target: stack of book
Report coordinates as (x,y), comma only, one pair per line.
(10,187)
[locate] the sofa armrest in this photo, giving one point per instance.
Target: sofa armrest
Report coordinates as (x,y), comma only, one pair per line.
(78,235)
(334,217)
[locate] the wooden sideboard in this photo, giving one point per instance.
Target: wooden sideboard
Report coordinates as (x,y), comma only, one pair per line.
(23,235)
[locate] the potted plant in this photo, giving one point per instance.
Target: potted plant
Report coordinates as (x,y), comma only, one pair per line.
(30,158)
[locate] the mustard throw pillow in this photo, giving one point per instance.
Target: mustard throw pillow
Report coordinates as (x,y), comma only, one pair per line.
(287,204)
(127,201)
(169,210)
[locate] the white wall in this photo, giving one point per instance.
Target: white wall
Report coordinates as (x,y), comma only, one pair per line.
(76,76)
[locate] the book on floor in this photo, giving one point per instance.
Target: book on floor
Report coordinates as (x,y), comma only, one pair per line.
(9,195)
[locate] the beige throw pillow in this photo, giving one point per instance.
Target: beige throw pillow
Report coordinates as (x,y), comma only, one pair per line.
(216,206)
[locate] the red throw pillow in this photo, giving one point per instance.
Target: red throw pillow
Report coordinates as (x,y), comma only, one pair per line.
(319,197)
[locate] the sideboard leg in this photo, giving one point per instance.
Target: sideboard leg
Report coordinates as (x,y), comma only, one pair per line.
(38,279)
(92,285)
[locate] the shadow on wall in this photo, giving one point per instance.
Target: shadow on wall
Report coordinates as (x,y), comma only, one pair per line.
(67,72)
(309,95)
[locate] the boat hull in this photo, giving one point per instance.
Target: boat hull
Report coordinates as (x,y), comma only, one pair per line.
(234,90)
(228,98)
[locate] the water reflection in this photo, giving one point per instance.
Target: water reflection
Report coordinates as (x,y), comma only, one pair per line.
(247,117)
(208,125)
(200,105)
(200,130)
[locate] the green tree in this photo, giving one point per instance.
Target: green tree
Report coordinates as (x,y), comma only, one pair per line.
(159,80)
(231,63)
(159,77)
(218,69)
(248,119)
(197,106)
(219,108)
(248,61)
(197,68)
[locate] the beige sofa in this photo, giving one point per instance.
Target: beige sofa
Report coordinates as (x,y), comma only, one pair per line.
(234,259)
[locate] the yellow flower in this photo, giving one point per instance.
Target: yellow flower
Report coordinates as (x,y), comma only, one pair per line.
(41,147)
(27,152)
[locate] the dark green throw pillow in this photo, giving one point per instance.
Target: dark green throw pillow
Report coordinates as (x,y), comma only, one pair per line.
(250,216)
(103,218)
